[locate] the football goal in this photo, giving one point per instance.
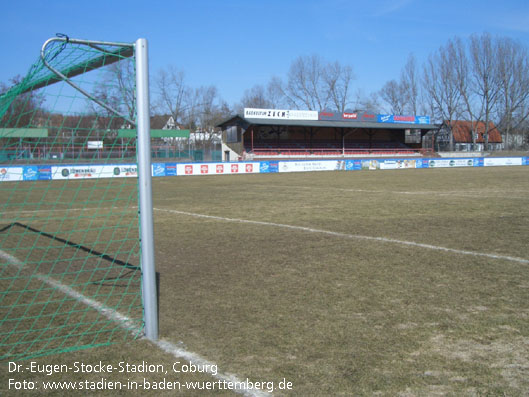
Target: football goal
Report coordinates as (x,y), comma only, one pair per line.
(76,232)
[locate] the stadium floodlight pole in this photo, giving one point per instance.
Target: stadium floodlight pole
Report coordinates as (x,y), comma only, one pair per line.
(149,292)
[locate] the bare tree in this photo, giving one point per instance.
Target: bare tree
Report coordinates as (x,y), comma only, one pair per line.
(207,98)
(312,84)
(370,103)
(338,81)
(305,88)
(441,86)
(16,109)
(117,89)
(173,94)
(409,81)
(394,95)
(470,111)
(402,96)
(485,81)
(255,97)
(513,78)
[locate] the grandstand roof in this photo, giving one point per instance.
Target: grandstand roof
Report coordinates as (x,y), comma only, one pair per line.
(325,123)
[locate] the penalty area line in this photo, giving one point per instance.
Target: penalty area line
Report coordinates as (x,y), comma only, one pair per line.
(129,325)
(350,236)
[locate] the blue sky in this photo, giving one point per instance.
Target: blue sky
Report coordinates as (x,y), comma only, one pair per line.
(235,44)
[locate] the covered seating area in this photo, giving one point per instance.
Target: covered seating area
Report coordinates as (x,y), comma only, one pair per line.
(285,137)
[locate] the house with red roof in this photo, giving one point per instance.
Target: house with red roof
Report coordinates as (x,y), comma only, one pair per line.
(469,136)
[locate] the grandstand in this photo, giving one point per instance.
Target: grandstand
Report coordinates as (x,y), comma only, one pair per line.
(267,133)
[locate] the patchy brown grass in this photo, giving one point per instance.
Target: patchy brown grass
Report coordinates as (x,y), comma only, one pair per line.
(340,315)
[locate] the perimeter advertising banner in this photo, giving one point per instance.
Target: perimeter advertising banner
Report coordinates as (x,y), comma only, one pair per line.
(8,174)
(217,168)
(446,163)
(389,164)
(307,166)
(502,161)
(93,171)
(266,167)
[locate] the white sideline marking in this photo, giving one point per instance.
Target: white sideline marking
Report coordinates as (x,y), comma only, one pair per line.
(129,325)
(351,236)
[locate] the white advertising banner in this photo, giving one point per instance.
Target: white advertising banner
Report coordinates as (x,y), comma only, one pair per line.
(94,145)
(396,164)
(253,113)
(305,166)
(499,161)
(217,168)
(93,171)
(11,174)
(444,163)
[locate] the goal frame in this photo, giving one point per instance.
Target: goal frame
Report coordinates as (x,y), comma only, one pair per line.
(140,49)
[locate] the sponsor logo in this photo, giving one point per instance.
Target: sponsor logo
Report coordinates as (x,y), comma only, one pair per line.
(158,170)
(30,173)
(326,114)
(204,169)
(220,169)
(235,168)
(129,171)
(281,114)
(249,167)
(350,116)
(408,119)
(189,170)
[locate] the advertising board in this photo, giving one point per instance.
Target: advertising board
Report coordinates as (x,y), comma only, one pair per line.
(8,174)
(217,168)
(307,166)
(93,171)
(394,118)
(502,161)
(446,163)
(280,114)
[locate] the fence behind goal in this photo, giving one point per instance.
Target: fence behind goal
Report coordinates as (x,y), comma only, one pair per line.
(70,253)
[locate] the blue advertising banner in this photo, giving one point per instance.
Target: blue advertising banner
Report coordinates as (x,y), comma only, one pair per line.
(158,169)
(422,163)
(266,167)
(353,165)
(44,172)
(393,118)
(170,169)
(525,161)
(31,173)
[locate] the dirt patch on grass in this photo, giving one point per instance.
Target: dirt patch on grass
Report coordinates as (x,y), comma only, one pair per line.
(503,353)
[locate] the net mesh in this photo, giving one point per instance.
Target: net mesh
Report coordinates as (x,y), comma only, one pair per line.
(69,246)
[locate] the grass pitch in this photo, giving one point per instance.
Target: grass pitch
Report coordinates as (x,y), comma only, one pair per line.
(340,283)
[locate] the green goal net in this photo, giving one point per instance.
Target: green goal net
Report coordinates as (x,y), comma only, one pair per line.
(70,273)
